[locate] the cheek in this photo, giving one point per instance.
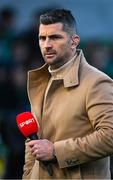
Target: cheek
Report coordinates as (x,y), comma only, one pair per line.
(41,45)
(63,47)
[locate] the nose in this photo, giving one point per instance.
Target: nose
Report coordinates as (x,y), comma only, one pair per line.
(47,43)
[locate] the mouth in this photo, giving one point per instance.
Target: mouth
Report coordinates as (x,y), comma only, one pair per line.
(50,55)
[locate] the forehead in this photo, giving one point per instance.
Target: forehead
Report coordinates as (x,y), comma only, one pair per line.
(51,29)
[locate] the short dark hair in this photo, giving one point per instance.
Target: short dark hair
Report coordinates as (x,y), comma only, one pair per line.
(60,16)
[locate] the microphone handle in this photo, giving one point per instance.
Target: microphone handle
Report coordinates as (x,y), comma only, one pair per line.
(47,164)
(33,136)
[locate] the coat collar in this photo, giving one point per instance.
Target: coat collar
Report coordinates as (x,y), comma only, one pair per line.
(70,79)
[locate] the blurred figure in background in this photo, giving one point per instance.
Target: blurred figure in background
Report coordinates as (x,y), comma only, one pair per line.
(7,35)
(99,55)
(12,96)
(101,59)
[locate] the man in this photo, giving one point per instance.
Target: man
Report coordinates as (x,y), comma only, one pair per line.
(73,103)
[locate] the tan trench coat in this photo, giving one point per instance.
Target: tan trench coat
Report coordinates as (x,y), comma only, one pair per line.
(76,114)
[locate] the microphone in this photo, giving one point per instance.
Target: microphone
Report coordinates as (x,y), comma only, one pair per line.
(28,126)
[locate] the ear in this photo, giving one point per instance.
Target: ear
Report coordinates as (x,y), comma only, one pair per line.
(75,40)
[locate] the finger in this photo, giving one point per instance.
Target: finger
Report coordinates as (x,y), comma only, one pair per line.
(37,157)
(35,152)
(34,148)
(31,143)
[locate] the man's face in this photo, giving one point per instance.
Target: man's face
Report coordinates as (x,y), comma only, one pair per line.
(56,45)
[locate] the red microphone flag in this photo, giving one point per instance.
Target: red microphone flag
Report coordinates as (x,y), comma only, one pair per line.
(27,124)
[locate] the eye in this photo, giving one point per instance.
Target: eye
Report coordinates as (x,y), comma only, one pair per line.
(55,37)
(42,38)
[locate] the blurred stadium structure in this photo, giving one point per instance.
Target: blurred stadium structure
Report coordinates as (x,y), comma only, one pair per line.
(19,52)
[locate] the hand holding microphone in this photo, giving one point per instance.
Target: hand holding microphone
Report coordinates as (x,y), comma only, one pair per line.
(42,149)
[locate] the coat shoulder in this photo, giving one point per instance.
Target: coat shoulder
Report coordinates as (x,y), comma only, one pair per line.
(92,74)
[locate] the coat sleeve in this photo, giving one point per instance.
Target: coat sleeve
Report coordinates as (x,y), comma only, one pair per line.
(99,143)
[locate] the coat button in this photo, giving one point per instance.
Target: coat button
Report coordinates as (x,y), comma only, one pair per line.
(72,162)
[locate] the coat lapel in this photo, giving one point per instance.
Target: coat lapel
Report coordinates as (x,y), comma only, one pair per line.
(37,83)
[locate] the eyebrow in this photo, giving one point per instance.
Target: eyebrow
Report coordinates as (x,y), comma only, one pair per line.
(51,36)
